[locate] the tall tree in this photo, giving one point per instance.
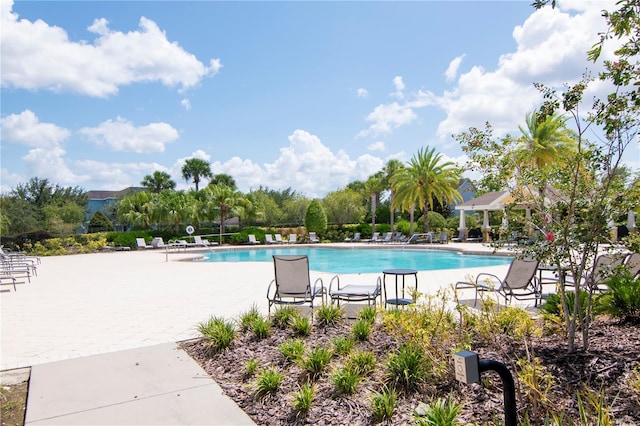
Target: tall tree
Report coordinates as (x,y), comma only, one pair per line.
(390,169)
(196,169)
(223,179)
(374,186)
(158,182)
(225,201)
(426,179)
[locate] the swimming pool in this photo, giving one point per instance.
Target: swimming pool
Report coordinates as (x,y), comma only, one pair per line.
(354,261)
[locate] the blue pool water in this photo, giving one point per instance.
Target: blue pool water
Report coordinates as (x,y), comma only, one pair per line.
(354,261)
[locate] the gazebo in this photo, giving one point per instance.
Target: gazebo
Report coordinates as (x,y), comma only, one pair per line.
(491,201)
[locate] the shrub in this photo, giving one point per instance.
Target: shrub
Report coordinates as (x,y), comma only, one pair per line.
(368,314)
(250,367)
(622,299)
(301,326)
(283,316)
(247,318)
(361,330)
(261,328)
(315,220)
(361,362)
(303,399)
(406,368)
(218,333)
(292,349)
(268,381)
(345,380)
(329,315)
(316,360)
(439,412)
(384,403)
(342,345)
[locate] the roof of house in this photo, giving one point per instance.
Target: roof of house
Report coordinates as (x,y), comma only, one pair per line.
(104,194)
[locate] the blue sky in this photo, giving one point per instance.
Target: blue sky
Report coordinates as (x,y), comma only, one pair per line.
(306,95)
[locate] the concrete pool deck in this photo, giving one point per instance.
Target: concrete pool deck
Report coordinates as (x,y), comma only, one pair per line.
(99,332)
(90,304)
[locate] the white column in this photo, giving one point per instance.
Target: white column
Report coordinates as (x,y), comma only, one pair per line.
(631,221)
(462,228)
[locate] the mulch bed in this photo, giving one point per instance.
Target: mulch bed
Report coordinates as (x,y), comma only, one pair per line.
(607,367)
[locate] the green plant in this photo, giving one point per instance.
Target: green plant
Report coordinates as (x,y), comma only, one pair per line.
(315,219)
(329,314)
(406,368)
(261,327)
(439,412)
(368,313)
(303,398)
(283,316)
(536,382)
(593,409)
(268,381)
(301,326)
(247,318)
(361,362)
(383,403)
(361,330)
(250,367)
(345,380)
(316,360)
(622,299)
(218,333)
(342,345)
(517,322)
(292,349)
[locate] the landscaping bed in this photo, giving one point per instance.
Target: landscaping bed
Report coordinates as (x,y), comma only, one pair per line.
(553,386)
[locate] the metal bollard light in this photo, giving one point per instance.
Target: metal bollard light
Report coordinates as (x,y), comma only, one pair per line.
(468,368)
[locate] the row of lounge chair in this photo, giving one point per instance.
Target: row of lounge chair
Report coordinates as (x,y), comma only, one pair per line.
(397,237)
(158,243)
(17,268)
(277,239)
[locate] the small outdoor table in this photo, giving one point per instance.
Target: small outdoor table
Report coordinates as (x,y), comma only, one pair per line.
(399,277)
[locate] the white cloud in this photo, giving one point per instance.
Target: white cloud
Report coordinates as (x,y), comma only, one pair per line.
(551,49)
(38,56)
(377,146)
(362,92)
(26,129)
(50,163)
(387,117)
(122,135)
(306,165)
(452,71)
(186,103)
(398,84)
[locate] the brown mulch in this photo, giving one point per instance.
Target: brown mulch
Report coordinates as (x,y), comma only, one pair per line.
(608,368)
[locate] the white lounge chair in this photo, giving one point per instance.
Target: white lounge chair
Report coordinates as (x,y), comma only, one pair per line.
(355,239)
(269,239)
(142,244)
(293,238)
(278,238)
(252,239)
(313,237)
(199,241)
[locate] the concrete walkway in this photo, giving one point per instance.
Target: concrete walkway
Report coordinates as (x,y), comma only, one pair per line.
(99,332)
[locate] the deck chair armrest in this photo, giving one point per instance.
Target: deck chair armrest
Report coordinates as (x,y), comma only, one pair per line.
(319,289)
(335,279)
(271,284)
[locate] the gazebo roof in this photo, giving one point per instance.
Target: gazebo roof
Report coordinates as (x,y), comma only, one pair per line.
(490,201)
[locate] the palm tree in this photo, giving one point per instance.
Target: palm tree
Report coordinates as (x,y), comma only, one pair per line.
(374,186)
(224,179)
(158,182)
(390,169)
(136,209)
(225,200)
(196,168)
(546,141)
(426,179)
